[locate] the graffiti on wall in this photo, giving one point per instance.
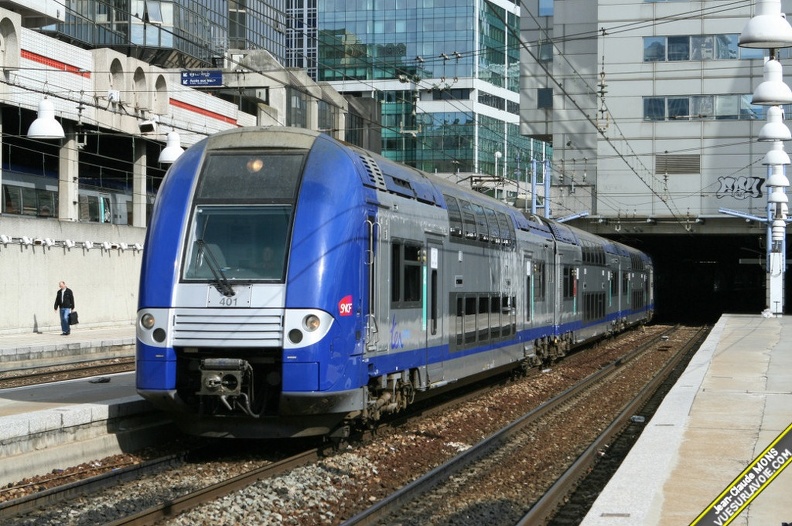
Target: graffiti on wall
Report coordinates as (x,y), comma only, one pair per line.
(740,187)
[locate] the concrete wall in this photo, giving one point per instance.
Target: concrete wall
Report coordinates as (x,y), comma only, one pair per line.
(104,280)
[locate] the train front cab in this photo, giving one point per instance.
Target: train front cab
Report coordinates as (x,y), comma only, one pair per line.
(230,344)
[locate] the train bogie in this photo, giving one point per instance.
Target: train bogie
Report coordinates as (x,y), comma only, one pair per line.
(387,283)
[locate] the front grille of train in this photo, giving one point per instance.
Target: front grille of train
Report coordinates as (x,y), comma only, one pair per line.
(228,328)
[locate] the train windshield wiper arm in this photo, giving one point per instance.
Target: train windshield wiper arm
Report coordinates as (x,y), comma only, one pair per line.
(221,281)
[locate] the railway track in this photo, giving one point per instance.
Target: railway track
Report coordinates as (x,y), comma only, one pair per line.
(21,377)
(392,440)
(431,492)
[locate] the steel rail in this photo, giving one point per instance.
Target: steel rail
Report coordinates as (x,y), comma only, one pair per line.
(423,484)
(80,488)
(221,489)
(57,373)
(542,511)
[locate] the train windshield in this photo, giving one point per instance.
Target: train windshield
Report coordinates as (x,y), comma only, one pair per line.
(243,206)
(232,243)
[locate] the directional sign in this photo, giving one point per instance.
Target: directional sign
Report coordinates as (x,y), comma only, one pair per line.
(202,78)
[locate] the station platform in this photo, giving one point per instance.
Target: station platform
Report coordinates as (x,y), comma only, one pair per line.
(50,347)
(63,424)
(731,403)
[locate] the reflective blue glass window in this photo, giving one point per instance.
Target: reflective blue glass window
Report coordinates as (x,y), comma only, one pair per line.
(654,49)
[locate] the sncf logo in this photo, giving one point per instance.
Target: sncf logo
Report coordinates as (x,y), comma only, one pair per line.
(345,306)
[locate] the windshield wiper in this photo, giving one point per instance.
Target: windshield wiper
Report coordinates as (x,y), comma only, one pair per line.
(221,281)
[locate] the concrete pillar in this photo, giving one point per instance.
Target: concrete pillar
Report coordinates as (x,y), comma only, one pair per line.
(311,113)
(139,187)
(68,176)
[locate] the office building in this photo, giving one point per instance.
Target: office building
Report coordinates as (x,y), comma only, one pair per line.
(649,107)
(446,75)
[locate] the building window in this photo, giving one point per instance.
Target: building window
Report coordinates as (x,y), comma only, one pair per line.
(546,7)
(545,51)
(697,47)
(296,114)
(153,12)
(721,107)
(654,109)
(328,114)
(654,49)
(679,108)
(678,48)
(544,98)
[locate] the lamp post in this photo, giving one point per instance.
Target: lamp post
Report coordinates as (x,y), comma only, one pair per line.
(768,29)
(498,155)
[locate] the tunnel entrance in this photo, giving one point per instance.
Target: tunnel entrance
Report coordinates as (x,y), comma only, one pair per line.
(700,277)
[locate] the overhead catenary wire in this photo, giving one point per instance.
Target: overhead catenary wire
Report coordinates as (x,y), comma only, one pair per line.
(475,53)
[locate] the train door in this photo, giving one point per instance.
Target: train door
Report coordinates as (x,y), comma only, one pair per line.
(528,286)
(620,288)
(555,277)
(432,309)
(377,304)
(105,210)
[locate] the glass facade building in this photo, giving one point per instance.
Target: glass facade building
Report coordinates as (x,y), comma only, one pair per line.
(446,73)
(175,34)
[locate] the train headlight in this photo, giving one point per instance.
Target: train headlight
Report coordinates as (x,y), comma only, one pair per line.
(311,322)
(305,327)
(295,335)
(147,321)
(159,335)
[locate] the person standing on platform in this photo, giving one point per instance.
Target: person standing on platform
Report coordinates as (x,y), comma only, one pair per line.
(64,300)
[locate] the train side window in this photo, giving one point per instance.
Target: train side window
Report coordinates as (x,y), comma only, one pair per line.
(89,208)
(569,282)
(539,281)
(454,216)
(496,316)
(47,203)
(470,319)
(507,234)
(412,273)
(433,307)
(405,275)
(106,212)
(12,200)
(483,318)
(460,320)
(396,258)
(492,222)
(481,222)
(529,292)
(29,206)
(625,283)
(513,314)
(468,218)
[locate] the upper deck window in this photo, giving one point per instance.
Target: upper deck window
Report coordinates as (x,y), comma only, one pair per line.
(242,214)
(261,177)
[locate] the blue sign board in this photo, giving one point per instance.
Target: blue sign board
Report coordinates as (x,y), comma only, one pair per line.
(202,78)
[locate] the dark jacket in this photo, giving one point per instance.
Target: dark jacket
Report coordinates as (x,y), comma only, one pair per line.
(68,299)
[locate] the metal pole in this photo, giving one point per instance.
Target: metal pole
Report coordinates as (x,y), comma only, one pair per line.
(547,187)
(533,186)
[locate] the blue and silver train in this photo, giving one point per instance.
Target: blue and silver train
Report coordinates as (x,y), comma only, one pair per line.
(293,285)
